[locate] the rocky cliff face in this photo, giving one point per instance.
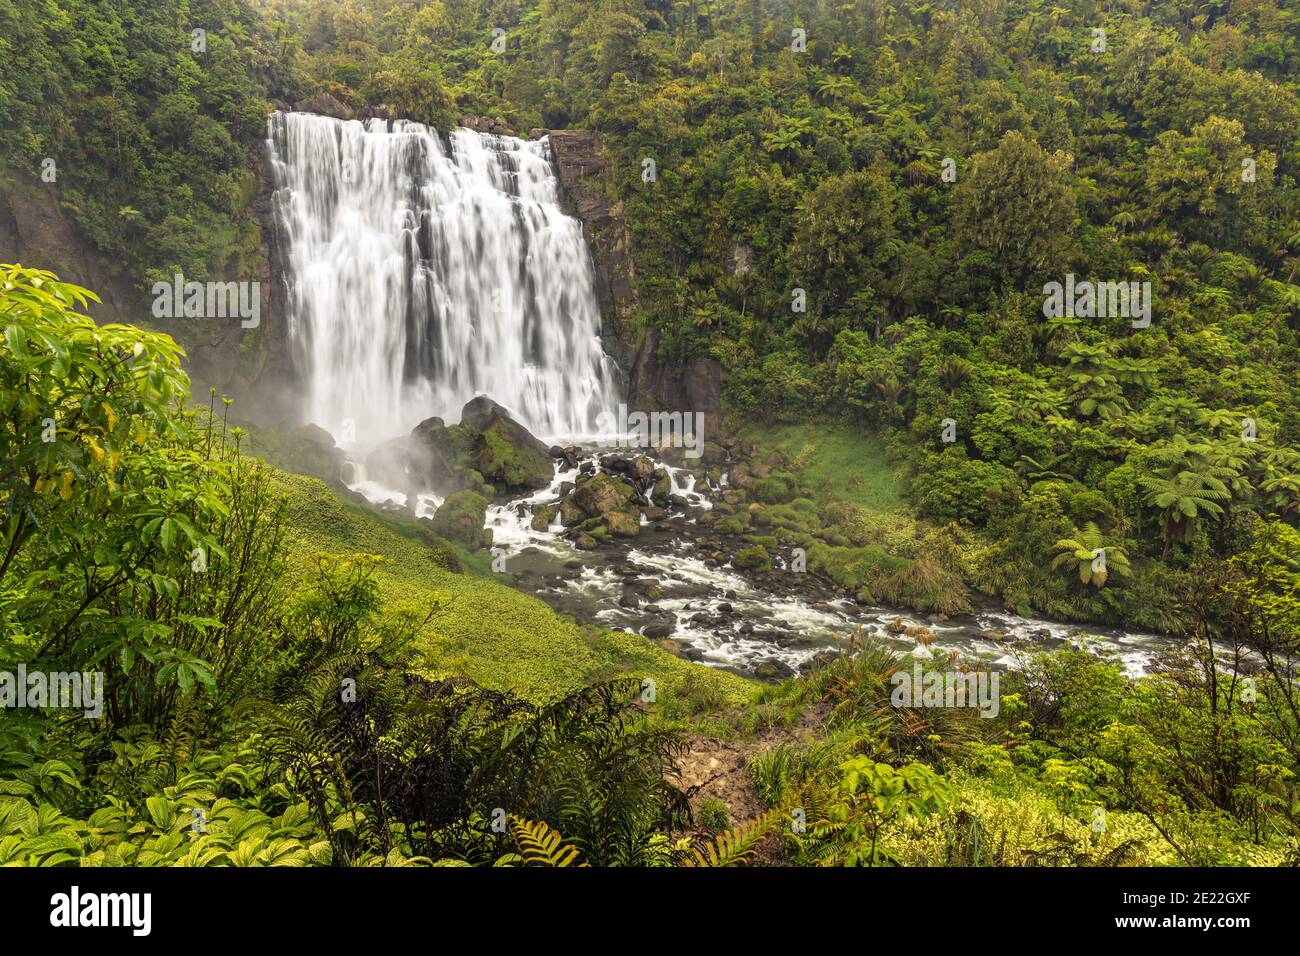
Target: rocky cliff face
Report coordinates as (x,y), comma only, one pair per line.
(35,231)
(581,161)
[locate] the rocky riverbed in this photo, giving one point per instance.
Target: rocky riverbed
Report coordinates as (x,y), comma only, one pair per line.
(677,580)
(661,545)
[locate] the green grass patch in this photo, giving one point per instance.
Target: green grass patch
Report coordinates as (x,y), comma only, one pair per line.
(837,462)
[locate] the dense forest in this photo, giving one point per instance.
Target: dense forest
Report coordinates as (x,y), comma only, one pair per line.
(860,212)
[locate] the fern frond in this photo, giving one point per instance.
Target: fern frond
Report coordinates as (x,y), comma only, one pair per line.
(735,846)
(540,845)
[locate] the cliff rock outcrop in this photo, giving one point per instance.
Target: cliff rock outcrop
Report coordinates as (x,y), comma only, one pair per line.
(581,161)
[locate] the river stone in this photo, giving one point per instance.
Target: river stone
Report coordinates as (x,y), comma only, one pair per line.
(571,514)
(773,669)
(622,524)
(648,588)
(504,451)
(819,660)
(434,452)
(753,558)
(659,629)
(663,484)
(543,515)
(596,527)
(602,494)
(460,518)
(643,469)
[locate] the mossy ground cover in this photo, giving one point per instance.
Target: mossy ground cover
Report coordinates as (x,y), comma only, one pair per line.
(838,462)
(489,632)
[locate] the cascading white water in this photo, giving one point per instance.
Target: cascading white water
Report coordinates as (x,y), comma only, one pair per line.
(419,278)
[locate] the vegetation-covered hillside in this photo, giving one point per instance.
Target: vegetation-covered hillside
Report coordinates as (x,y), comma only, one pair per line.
(861,211)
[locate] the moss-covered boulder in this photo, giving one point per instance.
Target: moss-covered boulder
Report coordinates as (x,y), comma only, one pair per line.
(733,524)
(603,493)
(503,451)
(488,453)
(642,468)
(461,518)
(570,513)
(714,454)
(543,515)
(441,451)
(623,524)
(663,485)
(595,527)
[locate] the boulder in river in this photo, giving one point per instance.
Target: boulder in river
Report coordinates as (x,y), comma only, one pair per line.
(460,518)
(603,493)
(622,524)
(487,453)
(502,450)
(754,558)
(543,515)
(642,468)
(773,669)
(571,514)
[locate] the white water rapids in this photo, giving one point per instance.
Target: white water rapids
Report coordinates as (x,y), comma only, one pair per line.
(419,277)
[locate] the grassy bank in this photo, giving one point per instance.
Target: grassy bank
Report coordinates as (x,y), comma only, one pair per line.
(840,463)
(489,632)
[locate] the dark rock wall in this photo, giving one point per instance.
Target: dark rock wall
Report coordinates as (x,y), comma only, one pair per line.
(249,364)
(36,232)
(581,162)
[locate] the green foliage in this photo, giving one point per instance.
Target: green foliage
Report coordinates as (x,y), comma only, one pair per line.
(1089,555)
(735,846)
(539,845)
(869,799)
(152,139)
(1173,447)
(714,815)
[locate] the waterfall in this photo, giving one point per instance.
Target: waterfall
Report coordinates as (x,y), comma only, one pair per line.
(419,276)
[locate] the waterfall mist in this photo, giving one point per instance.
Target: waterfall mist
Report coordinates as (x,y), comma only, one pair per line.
(418,277)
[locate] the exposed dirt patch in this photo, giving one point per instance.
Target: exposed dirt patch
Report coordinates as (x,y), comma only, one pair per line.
(714,769)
